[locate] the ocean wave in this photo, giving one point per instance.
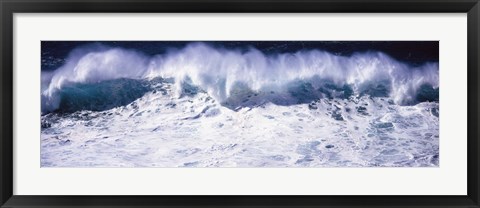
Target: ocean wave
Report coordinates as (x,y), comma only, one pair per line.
(231,76)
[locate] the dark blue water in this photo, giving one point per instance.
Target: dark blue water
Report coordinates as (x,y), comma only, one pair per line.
(412,52)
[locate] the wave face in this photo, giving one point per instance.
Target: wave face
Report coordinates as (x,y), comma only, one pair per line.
(101,96)
(230,76)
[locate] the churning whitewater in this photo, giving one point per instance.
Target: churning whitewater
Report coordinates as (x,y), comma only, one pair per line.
(206,106)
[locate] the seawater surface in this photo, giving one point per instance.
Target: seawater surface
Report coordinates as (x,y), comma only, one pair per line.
(202,105)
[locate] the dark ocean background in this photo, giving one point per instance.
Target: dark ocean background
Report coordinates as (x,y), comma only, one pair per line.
(411,52)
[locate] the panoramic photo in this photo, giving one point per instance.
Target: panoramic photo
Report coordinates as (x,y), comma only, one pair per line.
(244,104)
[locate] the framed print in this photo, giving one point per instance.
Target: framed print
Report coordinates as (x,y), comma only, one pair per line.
(263,104)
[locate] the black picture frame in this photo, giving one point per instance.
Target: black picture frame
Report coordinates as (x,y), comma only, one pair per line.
(9,7)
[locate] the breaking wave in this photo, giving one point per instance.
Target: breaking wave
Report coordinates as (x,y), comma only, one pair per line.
(98,78)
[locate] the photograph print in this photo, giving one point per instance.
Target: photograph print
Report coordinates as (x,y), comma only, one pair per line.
(244,104)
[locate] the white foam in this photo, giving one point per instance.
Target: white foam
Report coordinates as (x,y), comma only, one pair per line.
(159,130)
